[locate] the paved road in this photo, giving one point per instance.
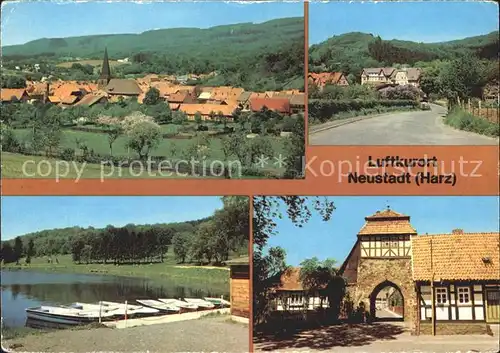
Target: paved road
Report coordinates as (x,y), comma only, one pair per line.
(405,128)
(371,340)
(385,313)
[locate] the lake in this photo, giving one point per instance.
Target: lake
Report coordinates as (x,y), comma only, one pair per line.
(24,289)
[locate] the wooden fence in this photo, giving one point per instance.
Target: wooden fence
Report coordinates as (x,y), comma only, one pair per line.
(479,110)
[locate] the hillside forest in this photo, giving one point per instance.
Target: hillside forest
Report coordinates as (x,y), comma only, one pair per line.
(212,240)
(454,69)
(252,56)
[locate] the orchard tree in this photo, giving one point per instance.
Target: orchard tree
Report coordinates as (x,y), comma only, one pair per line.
(144,137)
(152,96)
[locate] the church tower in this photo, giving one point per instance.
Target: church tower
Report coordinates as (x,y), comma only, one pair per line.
(105,71)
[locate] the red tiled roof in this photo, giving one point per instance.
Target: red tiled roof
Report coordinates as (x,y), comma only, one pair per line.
(7,94)
(281,105)
(387,222)
(206,109)
(466,256)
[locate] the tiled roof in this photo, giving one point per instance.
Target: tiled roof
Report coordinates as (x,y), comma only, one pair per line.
(178,97)
(387,222)
(298,99)
(290,280)
(281,105)
(123,86)
(206,109)
(323,78)
(54,99)
(413,74)
(8,93)
(69,99)
(90,99)
(225,92)
(244,97)
(466,256)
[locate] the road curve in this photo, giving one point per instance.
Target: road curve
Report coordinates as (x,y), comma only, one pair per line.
(402,128)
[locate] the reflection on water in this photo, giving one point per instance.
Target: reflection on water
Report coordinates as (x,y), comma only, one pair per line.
(23,289)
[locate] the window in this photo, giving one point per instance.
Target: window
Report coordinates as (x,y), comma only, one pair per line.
(441,295)
(463,295)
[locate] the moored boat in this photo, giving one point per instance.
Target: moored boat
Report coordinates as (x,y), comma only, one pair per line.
(219,302)
(66,315)
(158,305)
(179,303)
(202,304)
(133,310)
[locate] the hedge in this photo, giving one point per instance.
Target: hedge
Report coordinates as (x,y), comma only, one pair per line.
(323,109)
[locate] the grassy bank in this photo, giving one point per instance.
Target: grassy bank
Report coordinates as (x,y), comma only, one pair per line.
(463,120)
(166,271)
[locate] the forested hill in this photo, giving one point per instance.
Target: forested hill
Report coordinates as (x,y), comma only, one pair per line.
(221,41)
(59,241)
(264,56)
(355,50)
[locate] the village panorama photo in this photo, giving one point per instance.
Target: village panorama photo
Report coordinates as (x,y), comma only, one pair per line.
(403,73)
(125,274)
(376,274)
(152,89)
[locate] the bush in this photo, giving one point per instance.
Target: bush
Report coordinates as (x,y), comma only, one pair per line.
(68,154)
(462,120)
(324,110)
(202,128)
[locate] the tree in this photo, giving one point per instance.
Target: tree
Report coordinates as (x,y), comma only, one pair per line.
(197,119)
(152,96)
(113,133)
(256,148)
(462,78)
(322,278)
(295,150)
(180,244)
(77,246)
(8,255)
(144,137)
(266,209)
(11,81)
(179,117)
(18,249)
(30,251)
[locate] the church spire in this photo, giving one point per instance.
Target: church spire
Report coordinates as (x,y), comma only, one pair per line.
(105,71)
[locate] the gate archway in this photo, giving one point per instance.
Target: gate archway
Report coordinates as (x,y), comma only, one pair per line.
(387,302)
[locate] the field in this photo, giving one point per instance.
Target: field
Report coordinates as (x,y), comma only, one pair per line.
(171,148)
(98,63)
(12,167)
(166,271)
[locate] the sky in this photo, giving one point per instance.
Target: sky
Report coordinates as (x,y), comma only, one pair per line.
(423,21)
(334,239)
(24,21)
(25,214)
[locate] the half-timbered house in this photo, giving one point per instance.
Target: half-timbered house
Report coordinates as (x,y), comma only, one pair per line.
(462,270)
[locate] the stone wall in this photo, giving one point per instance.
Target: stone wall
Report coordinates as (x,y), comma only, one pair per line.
(455,328)
(374,272)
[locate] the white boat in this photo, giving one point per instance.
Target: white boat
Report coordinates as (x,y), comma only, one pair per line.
(202,304)
(133,310)
(66,315)
(155,304)
(218,301)
(179,303)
